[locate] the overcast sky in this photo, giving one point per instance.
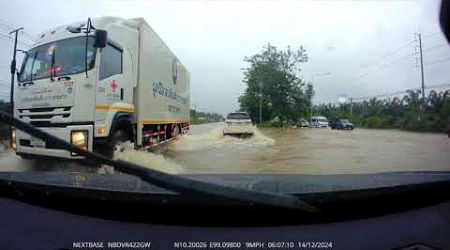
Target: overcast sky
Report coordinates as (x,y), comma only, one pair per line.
(366,47)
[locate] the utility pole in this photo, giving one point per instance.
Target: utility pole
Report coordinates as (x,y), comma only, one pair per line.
(422,104)
(419,38)
(13,69)
(351,107)
(260,101)
(260,91)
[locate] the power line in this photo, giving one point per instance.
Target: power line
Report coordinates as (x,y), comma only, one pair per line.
(11,27)
(25,35)
(387,65)
(399,92)
(7,38)
(438,61)
(430,35)
(26,40)
(390,64)
(392,52)
(435,47)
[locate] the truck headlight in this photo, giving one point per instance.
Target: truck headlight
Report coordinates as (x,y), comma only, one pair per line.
(79,138)
(13,139)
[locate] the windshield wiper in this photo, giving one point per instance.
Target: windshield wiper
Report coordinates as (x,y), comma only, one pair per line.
(171,182)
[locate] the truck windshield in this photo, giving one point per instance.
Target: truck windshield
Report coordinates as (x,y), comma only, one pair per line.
(64,57)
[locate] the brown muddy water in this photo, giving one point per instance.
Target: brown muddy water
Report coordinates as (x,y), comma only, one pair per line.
(279,151)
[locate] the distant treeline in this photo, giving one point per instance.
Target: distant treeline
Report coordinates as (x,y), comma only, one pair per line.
(204,117)
(410,112)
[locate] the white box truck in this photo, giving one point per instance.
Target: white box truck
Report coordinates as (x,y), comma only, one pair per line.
(99,84)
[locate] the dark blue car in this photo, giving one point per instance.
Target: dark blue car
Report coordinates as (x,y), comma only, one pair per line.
(340,123)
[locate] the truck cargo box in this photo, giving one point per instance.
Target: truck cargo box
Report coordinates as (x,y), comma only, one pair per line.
(162,91)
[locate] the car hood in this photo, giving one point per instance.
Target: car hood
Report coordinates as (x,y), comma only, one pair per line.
(261,182)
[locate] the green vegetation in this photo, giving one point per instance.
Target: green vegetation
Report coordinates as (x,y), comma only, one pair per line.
(204,117)
(274,73)
(408,113)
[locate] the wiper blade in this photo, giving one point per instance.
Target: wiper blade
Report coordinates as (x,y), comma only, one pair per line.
(171,182)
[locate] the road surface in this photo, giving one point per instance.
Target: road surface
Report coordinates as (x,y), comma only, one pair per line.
(279,151)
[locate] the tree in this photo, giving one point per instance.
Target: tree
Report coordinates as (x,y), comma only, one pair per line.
(273,74)
(397,112)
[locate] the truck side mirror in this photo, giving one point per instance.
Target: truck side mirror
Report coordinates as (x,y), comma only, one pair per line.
(100,38)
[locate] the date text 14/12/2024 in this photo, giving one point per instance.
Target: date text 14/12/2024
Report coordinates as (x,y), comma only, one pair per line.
(254,245)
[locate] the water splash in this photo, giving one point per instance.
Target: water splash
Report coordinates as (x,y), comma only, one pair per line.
(215,137)
(11,162)
(151,160)
(195,142)
(258,139)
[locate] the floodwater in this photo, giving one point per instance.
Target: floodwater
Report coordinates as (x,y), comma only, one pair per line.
(310,151)
(278,151)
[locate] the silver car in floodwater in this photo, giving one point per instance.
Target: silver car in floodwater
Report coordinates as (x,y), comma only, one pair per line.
(238,123)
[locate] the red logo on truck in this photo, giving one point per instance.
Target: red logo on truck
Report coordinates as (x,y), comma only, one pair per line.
(114,85)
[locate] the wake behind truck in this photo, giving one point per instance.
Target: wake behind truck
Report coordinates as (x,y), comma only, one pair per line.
(101,85)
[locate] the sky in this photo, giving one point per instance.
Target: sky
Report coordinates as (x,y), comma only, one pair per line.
(355,48)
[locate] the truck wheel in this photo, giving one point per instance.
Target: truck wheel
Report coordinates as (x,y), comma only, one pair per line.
(119,143)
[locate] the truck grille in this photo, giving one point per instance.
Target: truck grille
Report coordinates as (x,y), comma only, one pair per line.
(26,143)
(45,115)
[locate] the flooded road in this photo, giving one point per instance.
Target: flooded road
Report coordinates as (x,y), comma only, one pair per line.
(280,151)
(310,151)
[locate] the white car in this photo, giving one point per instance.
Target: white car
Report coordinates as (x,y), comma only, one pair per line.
(319,122)
(238,123)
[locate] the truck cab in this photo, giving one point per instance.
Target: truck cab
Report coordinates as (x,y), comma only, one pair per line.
(86,93)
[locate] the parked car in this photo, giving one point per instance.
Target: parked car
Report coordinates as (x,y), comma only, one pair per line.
(319,122)
(238,123)
(340,123)
(302,123)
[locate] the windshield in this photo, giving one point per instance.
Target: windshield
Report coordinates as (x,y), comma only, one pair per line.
(238,116)
(64,57)
(322,88)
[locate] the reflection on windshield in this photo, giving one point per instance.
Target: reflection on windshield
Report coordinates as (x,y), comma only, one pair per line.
(63,57)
